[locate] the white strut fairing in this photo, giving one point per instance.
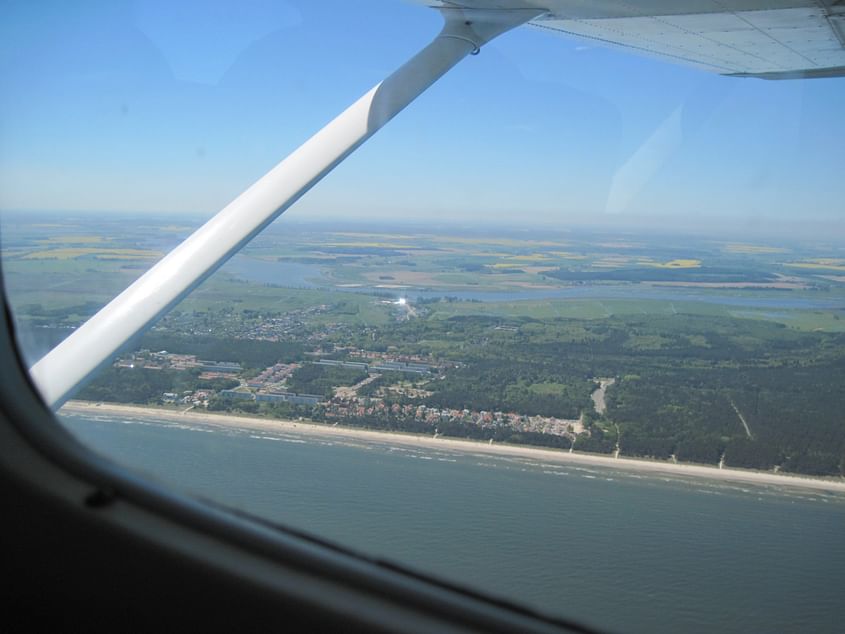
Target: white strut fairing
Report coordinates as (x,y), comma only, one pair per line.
(95,343)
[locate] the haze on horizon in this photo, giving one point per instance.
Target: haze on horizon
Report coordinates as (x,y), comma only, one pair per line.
(145,107)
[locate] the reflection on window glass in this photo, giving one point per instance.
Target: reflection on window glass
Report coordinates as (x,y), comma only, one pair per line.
(569,331)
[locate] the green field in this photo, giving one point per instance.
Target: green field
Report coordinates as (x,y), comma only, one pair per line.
(693,330)
(58,265)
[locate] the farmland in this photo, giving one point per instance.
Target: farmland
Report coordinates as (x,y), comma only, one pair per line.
(520,329)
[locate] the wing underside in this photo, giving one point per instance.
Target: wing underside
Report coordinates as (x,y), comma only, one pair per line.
(772,39)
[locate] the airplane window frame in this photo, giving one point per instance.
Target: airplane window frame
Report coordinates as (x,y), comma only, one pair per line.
(285,561)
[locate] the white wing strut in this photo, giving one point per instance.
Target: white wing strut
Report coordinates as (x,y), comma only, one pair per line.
(94,343)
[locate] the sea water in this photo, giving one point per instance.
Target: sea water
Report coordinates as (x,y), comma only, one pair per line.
(615,549)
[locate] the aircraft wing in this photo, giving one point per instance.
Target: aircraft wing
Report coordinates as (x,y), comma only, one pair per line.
(770,39)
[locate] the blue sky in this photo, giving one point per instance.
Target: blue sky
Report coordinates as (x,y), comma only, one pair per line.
(167,106)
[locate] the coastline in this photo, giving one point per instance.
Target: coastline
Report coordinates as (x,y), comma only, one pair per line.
(457,444)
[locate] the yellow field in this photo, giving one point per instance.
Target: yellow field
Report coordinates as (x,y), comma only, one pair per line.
(382,236)
(752,249)
(830,264)
(673,264)
(491,254)
(531,257)
(566,255)
(369,245)
(72,240)
(78,252)
(504,265)
(503,242)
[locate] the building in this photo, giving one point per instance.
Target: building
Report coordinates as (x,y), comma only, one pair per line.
(288,397)
(236,395)
(221,366)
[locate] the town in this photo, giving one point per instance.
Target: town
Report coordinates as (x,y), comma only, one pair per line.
(390,389)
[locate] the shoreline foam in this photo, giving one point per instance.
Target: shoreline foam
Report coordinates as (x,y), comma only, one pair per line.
(457,444)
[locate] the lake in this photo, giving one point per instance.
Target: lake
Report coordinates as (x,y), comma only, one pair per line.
(301,275)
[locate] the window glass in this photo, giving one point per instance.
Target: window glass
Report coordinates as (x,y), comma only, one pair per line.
(570,330)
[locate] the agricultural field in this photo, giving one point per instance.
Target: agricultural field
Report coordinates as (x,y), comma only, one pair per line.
(521,325)
(63,263)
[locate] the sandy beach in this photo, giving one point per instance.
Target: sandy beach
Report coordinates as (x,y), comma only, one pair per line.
(202,417)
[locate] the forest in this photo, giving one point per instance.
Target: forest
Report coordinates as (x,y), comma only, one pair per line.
(691,388)
(683,381)
(543,388)
(250,353)
(142,385)
(321,379)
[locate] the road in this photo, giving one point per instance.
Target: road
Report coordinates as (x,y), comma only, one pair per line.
(741,419)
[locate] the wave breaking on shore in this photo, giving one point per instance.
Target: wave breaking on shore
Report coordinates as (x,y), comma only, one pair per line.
(210,419)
